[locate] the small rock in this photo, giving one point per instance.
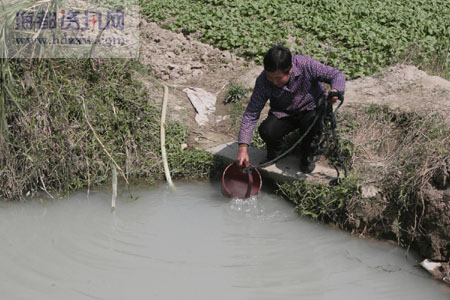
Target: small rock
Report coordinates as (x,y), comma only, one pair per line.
(183,146)
(196,65)
(226,55)
(377,164)
(197,73)
(170,54)
(432,267)
(174,44)
(187,69)
(221,118)
(174,74)
(369,191)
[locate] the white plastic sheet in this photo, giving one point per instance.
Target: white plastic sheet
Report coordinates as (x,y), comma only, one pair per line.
(203,102)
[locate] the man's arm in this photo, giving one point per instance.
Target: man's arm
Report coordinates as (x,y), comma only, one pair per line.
(327,74)
(250,118)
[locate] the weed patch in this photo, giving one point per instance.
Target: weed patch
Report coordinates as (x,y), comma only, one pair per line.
(322,202)
(235,94)
(405,155)
(49,145)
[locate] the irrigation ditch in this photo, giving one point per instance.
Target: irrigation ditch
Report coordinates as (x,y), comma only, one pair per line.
(66,123)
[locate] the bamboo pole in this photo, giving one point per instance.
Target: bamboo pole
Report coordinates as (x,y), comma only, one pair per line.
(114,188)
(163,138)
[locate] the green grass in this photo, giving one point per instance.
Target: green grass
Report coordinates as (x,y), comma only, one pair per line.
(358,37)
(50,146)
(235,94)
(65,122)
(322,202)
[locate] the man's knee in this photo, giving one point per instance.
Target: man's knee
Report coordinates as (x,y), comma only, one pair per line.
(269,130)
(264,131)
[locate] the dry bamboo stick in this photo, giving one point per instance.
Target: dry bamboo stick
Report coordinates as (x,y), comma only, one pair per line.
(163,138)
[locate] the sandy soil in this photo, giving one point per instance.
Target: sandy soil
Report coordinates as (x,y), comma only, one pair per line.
(404,87)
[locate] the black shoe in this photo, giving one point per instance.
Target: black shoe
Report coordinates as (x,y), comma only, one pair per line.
(307,165)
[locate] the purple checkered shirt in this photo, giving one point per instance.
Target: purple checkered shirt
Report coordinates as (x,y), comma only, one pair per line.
(301,92)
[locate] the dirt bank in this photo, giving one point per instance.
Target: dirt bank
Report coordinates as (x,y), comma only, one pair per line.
(181,62)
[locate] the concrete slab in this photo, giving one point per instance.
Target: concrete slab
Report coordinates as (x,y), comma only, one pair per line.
(286,169)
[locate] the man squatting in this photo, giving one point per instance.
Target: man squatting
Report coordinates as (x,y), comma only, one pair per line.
(293,86)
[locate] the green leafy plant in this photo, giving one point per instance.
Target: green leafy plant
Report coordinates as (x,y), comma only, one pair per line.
(359,37)
(235,94)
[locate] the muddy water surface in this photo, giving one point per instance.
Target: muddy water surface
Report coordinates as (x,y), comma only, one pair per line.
(193,244)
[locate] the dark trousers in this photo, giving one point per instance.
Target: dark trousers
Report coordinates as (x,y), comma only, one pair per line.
(272,130)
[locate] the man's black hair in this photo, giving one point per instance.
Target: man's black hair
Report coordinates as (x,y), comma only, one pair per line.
(278,58)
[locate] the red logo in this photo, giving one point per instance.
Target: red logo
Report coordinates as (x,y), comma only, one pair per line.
(93,20)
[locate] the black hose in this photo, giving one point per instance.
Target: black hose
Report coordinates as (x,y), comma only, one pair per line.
(328,120)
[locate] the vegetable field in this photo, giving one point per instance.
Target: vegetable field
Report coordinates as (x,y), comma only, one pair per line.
(357,36)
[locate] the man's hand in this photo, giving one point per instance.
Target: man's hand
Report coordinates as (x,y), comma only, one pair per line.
(334,99)
(242,154)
